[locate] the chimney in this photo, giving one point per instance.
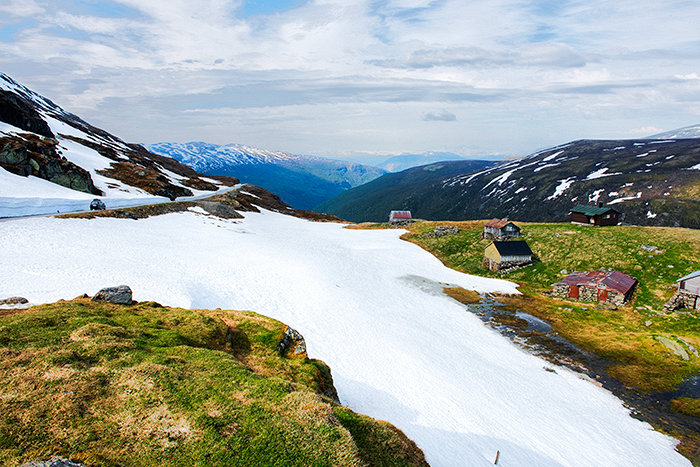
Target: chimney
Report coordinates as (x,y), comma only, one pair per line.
(600,204)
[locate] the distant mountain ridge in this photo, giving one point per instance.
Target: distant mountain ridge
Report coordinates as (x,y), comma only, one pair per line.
(406,161)
(652,182)
(301,181)
(685,132)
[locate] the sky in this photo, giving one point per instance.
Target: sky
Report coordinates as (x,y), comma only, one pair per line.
(358,79)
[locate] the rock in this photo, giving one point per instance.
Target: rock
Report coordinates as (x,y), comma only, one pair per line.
(120,295)
(14,301)
(53,462)
(648,323)
(442,230)
(674,347)
(293,344)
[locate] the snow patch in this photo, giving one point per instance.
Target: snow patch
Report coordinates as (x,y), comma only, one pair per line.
(600,173)
(593,197)
(650,215)
(562,187)
(549,158)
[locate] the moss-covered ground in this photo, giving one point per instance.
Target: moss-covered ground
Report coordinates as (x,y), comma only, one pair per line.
(145,385)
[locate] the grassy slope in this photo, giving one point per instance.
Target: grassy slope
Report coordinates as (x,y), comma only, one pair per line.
(626,335)
(112,385)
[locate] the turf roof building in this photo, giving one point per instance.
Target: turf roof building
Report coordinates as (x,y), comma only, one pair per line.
(500,229)
(688,293)
(500,256)
(596,286)
(594,215)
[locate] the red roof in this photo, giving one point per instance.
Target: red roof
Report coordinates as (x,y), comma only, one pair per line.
(400,214)
(614,279)
(496,223)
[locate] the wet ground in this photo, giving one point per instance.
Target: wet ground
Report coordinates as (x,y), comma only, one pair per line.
(537,337)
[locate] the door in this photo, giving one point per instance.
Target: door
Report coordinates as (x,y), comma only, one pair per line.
(602,295)
(573,291)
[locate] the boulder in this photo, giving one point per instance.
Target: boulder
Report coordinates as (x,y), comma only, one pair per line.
(14,301)
(293,344)
(53,462)
(120,295)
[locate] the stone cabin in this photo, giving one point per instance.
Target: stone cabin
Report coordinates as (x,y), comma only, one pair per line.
(399,217)
(499,256)
(500,229)
(594,215)
(688,293)
(596,286)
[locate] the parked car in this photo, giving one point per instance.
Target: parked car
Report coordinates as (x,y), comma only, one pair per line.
(97,205)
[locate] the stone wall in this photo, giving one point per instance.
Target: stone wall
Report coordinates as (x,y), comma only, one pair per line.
(683,300)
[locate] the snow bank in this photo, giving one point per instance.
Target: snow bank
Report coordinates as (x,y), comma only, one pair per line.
(368,304)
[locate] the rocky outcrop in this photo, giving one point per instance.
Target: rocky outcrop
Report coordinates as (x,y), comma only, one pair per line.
(442,230)
(682,300)
(120,295)
(29,154)
(19,113)
(53,462)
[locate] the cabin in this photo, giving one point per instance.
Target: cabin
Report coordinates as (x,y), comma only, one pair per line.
(500,229)
(596,286)
(500,256)
(594,215)
(688,293)
(400,217)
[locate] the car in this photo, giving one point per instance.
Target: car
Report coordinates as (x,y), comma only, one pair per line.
(97,205)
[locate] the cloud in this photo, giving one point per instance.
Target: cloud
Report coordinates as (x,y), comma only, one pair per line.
(441,116)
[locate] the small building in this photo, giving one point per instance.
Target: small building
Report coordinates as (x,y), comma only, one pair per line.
(596,286)
(594,215)
(688,293)
(499,256)
(500,229)
(400,217)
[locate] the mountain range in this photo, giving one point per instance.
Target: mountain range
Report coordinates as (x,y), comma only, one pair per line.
(301,181)
(407,161)
(651,182)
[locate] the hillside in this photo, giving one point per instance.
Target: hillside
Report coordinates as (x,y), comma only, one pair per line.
(51,160)
(652,182)
(301,181)
(146,385)
(395,191)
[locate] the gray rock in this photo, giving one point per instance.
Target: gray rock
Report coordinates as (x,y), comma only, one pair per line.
(120,295)
(14,301)
(53,462)
(292,343)
(674,347)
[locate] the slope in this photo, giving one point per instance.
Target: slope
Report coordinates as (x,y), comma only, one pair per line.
(652,182)
(301,181)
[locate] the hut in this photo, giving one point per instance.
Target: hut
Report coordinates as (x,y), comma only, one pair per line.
(399,217)
(596,286)
(499,256)
(500,229)
(594,215)
(688,293)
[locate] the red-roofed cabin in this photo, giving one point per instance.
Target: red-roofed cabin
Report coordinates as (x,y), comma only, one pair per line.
(596,286)
(500,229)
(400,217)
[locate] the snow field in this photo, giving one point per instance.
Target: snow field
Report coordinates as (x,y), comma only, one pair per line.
(369,305)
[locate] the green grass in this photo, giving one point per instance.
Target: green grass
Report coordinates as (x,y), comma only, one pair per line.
(145,385)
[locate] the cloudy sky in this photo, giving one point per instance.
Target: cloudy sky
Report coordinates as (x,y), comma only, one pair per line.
(352,78)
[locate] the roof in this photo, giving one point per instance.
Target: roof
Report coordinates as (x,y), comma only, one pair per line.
(400,214)
(616,280)
(498,223)
(591,210)
(514,248)
(689,276)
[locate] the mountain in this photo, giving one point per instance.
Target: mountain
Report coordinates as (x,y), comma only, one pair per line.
(685,132)
(42,143)
(395,191)
(301,181)
(406,161)
(652,182)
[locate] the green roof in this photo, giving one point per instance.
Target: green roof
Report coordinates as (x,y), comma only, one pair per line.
(590,210)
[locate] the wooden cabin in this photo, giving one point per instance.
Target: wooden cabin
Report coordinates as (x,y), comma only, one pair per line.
(499,256)
(399,217)
(596,286)
(688,293)
(500,229)
(594,215)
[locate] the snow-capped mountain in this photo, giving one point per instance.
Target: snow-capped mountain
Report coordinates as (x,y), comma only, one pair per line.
(652,182)
(685,132)
(54,160)
(301,181)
